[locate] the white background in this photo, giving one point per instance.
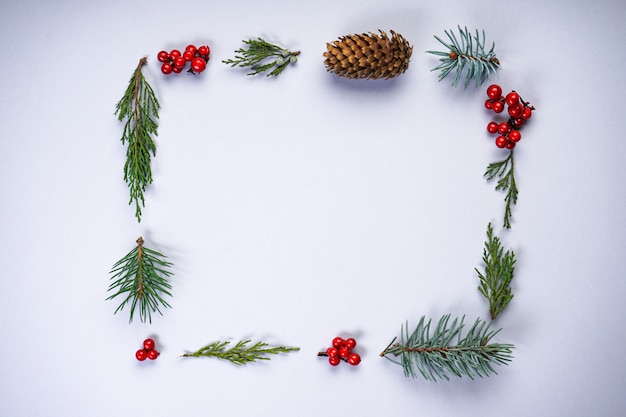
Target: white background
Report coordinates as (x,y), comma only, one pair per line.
(304,207)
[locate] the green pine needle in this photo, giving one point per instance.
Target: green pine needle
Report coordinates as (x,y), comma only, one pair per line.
(445,352)
(140,278)
(505,171)
(262,56)
(467,56)
(241,353)
(495,282)
(139,107)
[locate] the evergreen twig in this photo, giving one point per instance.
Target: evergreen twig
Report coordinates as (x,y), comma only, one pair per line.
(240,353)
(262,56)
(505,171)
(141,277)
(446,351)
(467,55)
(495,282)
(139,107)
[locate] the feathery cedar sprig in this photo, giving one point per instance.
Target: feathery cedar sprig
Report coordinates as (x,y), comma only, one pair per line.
(495,282)
(140,108)
(262,56)
(446,352)
(466,56)
(141,277)
(240,353)
(505,172)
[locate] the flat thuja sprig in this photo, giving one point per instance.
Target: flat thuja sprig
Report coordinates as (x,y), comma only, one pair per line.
(262,56)
(140,278)
(446,352)
(495,282)
(466,55)
(505,172)
(240,353)
(139,107)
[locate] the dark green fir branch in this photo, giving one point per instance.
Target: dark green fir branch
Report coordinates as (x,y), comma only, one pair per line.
(262,56)
(139,108)
(141,279)
(240,353)
(466,55)
(495,281)
(446,352)
(505,172)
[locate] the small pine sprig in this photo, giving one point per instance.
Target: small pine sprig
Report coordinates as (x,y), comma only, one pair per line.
(140,108)
(141,278)
(262,56)
(495,282)
(240,353)
(505,171)
(466,56)
(446,352)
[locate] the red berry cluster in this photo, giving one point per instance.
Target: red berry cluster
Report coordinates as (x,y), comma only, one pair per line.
(519,112)
(148,351)
(342,350)
(174,61)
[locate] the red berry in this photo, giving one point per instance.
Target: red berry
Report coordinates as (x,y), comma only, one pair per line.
(492,127)
(191,48)
(519,122)
(334,360)
(177,70)
(512,98)
(501,141)
(166,68)
(527,113)
(141,355)
(163,56)
(510,145)
(354,359)
(515,136)
(489,104)
(189,55)
(148,344)
(494,91)
(503,128)
(344,352)
(516,111)
(350,343)
(204,51)
(338,342)
(498,106)
(198,64)
(153,354)
(175,53)
(332,352)
(180,62)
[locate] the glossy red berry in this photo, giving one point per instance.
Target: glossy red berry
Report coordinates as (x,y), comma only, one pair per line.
(510,145)
(501,141)
(489,104)
(204,51)
(177,70)
(354,359)
(350,343)
(141,355)
(512,98)
(344,352)
(153,354)
(166,68)
(334,360)
(180,62)
(198,64)
(516,111)
(494,91)
(492,127)
(515,136)
(189,55)
(148,344)
(519,122)
(163,56)
(332,352)
(175,53)
(498,106)
(503,128)
(338,342)
(191,48)
(527,113)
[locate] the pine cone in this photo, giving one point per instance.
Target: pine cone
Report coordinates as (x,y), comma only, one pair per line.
(368,55)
